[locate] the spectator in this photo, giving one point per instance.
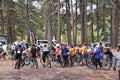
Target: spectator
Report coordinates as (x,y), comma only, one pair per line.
(116,62)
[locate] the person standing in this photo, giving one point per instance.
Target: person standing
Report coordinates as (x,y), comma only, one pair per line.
(97,55)
(34,56)
(116,62)
(45,51)
(83,52)
(72,55)
(18,56)
(64,54)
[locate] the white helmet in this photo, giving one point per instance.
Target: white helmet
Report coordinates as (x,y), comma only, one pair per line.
(57,45)
(0,44)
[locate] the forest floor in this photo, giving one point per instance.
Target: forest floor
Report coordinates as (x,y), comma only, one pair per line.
(7,72)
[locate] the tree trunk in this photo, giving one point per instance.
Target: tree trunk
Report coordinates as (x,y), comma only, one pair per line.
(1,18)
(48,23)
(75,36)
(83,21)
(13,22)
(46,27)
(97,18)
(92,34)
(59,28)
(104,29)
(114,23)
(68,22)
(28,20)
(10,21)
(73,27)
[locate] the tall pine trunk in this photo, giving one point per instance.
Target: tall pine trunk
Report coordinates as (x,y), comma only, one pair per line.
(10,21)
(28,20)
(1,18)
(114,23)
(92,34)
(83,21)
(73,22)
(97,18)
(104,28)
(75,36)
(68,21)
(48,23)
(59,28)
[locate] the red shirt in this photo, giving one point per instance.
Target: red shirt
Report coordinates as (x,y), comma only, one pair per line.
(57,52)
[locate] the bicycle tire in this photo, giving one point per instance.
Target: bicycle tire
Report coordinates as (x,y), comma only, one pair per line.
(106,64)
(27,60)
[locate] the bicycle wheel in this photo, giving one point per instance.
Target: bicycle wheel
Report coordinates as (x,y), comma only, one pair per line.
(27,60)
(90,63)
(78,59)
(56,62)
(41,61)
(47,61)
(106,64)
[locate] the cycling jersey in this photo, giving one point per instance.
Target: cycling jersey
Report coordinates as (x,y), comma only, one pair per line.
(72,51)
(83,49)
(45,49)
(57,52)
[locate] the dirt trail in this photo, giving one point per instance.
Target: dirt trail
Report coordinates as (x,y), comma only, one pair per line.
(7,72)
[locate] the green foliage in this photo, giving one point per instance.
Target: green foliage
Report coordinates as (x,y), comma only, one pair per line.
(37,18)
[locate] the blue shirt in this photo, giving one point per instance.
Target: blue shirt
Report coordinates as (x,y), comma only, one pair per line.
(97,54)
(64,51)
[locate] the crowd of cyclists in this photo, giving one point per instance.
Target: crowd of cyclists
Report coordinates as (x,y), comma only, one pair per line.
(95,56)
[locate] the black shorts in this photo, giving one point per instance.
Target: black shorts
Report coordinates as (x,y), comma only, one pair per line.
(46,52)
(0,51)
(17,56)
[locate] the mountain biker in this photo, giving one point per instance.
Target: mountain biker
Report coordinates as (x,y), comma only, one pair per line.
(18,56)
(34,56)
(72,54)
(46,52)
(116,62)
(38,51)
(97,55)
(64,54)
(108,53)
(83,51)
(57,53)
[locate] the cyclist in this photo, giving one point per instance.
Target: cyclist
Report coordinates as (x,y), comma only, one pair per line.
(57,53)
(18,56)
(116,61)
(34,56)
(46,52)
(72,54)
(64,54)
(97,55)
(108,53)
(83,51)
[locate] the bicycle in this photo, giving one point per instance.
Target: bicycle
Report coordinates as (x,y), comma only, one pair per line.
(47,61)
(19,63)
(105,63)
(59,61)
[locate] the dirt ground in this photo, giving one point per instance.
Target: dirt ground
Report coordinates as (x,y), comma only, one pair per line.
(7,72)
